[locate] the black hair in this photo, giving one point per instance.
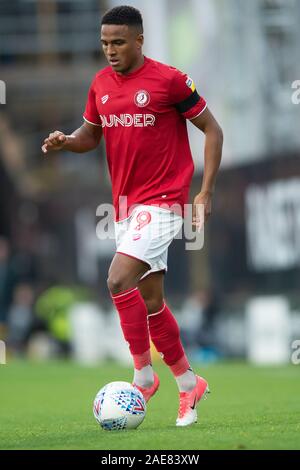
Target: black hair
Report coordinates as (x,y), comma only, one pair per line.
(124,15)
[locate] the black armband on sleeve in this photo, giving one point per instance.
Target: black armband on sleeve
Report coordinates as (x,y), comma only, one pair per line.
(188,103)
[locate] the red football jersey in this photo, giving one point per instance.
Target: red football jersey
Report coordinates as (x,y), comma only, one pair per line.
(143,116)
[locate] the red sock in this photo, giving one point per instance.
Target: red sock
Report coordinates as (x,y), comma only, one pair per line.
(142,360)
(133,317)
(165,335)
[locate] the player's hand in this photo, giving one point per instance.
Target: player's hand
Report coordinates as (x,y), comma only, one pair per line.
(56,141)
(201,209)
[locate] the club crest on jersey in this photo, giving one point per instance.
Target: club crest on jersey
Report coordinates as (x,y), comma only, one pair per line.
(142,98)
(190,83)
(104,99)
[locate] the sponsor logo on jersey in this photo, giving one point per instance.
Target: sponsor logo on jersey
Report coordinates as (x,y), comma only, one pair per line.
(104,99)
(136,237)
(190,83)
(142,98)
(127,120)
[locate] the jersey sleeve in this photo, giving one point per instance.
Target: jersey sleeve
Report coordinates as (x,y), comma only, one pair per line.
(91,114)
(184,96)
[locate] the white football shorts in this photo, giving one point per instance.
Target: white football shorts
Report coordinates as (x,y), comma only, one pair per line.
(146,235)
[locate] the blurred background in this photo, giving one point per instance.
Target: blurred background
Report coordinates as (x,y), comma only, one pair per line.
(236,298)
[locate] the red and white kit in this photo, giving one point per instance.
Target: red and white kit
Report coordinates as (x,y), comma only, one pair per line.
(146,235)
(143,116)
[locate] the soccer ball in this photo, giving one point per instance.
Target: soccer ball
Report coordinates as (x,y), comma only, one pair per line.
(119,405)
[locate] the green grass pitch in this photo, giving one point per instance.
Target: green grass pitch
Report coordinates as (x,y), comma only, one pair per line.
(49,406)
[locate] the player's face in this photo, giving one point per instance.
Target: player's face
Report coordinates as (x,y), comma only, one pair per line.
(122,47)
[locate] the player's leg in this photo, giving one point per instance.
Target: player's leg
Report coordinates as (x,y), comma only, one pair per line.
(165,336)
(123,277)
(152,289)
(124,273)
(164,330)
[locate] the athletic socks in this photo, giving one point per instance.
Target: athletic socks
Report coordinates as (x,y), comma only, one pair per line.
(143,372)
(165,335)
(133,318)
(144,377)
(187,381)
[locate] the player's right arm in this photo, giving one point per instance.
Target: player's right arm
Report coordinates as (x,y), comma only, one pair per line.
(84,139)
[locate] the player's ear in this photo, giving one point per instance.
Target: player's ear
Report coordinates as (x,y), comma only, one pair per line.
(140,40)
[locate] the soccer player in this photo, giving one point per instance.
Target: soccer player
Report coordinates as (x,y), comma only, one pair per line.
(140,106)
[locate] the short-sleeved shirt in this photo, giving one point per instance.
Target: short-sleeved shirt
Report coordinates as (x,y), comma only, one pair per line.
(143,116)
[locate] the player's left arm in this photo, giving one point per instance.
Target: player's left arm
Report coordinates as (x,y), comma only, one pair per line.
(192,106)
(212,159)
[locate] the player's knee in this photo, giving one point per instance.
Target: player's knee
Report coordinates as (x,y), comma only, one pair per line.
(115,284)
(118,283)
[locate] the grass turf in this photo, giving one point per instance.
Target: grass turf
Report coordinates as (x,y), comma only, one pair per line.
(49,406)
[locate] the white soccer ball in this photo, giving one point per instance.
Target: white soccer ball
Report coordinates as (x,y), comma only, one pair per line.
(119,405)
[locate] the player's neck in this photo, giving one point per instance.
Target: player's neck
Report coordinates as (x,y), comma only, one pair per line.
(136,66)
